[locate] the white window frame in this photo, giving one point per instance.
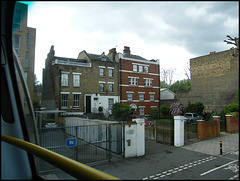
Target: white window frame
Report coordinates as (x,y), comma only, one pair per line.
(135,68)
(140,68)
(64,100)
(129,96)
(141,96)
(110,85)
(146,69)
(76,102)
(133,81)
(76,83)
(64,78)
(110,72)
(148,82)
(101,83)
(101,71)
(152,97)
(141,110)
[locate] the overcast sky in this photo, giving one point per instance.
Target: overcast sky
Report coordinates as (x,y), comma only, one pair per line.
(173,32)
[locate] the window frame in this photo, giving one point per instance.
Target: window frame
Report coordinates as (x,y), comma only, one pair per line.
(64,81)
(76,102)
(64,100)
(76,81)
(129,96)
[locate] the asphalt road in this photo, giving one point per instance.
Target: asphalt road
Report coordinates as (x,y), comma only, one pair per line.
(168,162)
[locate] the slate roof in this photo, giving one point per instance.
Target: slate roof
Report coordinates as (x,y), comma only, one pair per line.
(99,57)
(134,56)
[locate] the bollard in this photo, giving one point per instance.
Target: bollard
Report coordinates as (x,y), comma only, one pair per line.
(220,147)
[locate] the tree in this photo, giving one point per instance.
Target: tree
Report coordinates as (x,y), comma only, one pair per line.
(234,41)
(120,110)
(181,85)
(167,75)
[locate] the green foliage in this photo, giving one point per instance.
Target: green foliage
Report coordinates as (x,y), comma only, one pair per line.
(154,113)
(100,109)
(165,110)
(234,107)
(196,107)
(176,109)
(120,110)
(237,96)
(181,85)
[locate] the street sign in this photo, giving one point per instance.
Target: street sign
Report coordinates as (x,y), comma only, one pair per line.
(71,142)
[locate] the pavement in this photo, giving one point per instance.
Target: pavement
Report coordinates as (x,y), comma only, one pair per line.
(161,157)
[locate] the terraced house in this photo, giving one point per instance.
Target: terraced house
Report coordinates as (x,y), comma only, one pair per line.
(81,85)
(139,82)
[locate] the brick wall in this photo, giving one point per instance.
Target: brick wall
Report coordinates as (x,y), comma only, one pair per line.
(208,129)
(214,80)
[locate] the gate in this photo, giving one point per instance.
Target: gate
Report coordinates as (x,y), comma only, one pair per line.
(89,144)
(190,132)
(165,132)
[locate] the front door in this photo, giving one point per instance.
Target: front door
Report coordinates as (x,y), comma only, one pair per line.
(88,104)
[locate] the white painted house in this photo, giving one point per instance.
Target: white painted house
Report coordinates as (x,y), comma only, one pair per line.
(166,94)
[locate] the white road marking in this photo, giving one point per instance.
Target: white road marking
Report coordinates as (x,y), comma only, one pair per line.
(180,168)
(217,168)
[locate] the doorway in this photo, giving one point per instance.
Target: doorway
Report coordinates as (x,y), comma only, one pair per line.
(88,104)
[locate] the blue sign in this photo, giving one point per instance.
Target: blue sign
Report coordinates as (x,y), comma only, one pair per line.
(71,142)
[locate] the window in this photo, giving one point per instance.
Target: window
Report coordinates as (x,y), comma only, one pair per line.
(141,96)
(16,43)
(146,69)
(148,82)
(102,72)
(17,19)
(76,80)
(129,96)
(140,68)
(27,60)
(110,103)
(151,97)
(28,41)
(134,68)
(64,100)
(76,100)
(110,72)
(64,79)
(110,87)
(141,110)
(133,81)
(101,87)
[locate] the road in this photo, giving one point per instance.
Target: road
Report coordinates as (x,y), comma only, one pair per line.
(168,162)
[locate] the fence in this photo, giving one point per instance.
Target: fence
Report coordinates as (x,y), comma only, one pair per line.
(92,142)
(165,132)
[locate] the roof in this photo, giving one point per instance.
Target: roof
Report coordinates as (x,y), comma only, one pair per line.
(134,56)
(99,57)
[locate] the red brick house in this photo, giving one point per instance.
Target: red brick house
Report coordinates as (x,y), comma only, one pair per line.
(139,82)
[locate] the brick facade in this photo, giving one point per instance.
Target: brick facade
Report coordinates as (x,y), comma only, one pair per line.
(142,79)
(214,80)
(87,66)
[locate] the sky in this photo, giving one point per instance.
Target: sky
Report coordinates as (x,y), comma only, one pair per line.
(171,31)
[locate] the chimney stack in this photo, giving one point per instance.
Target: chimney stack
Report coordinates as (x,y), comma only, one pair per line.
(112,54)
(126,50)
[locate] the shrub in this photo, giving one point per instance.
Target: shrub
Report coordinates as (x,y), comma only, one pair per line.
(196,107)
(120,110)
(165,110)
(176,109)
(100,109)
(154,113)
(234,107)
